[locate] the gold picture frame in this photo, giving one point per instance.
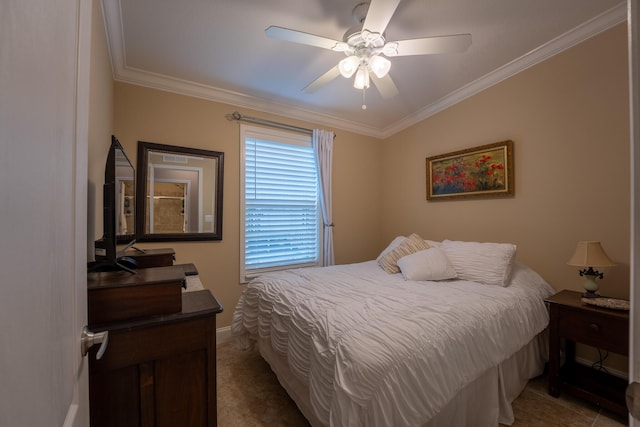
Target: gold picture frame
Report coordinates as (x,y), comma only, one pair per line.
(484,171)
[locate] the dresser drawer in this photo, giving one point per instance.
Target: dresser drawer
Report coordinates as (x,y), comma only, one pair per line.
(114,296)
(601,331)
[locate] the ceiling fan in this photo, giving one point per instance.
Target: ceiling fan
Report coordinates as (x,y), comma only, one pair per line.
(366,48)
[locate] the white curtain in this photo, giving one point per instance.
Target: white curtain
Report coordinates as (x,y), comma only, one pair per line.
(323,149)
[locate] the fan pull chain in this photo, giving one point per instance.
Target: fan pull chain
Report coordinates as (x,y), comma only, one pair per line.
(364,105)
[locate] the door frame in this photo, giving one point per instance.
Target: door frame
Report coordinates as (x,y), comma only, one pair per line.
(633,20)
(78,411)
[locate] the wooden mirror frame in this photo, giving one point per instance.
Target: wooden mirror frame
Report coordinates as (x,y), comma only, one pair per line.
(142,235)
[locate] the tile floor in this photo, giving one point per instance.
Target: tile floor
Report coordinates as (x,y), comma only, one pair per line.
(535,407)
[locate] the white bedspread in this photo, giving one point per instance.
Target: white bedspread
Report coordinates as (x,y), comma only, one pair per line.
(376,350)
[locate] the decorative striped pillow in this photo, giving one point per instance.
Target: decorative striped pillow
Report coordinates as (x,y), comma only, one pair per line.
(412,244)
(394,244)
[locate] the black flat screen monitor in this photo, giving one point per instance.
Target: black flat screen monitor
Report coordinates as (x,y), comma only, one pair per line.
(118,212)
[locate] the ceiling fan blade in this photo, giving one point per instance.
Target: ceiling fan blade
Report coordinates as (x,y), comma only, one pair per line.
(322,80)
(429,45)
(385,86)
(294,36)
(379,15)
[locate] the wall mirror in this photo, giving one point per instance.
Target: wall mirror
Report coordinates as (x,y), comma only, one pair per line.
(179,195)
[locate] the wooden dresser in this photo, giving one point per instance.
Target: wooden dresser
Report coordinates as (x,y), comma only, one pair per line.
(159,367)
(152,257)
(120,295)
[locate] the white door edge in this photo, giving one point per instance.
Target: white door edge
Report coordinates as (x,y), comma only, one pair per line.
(634,99)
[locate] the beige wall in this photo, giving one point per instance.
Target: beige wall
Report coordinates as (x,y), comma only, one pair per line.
(568,118)
(142,114)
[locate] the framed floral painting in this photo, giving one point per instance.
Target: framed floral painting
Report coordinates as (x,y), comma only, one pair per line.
(485,171)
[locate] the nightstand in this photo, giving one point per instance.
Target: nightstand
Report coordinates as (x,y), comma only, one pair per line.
(606,329)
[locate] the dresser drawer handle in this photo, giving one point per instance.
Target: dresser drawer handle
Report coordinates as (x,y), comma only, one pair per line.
(594,327)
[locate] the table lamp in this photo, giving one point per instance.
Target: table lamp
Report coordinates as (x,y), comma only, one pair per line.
(589,255)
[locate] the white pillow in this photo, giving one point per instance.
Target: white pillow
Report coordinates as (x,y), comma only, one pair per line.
(488,263)
(394,244)
(427,264)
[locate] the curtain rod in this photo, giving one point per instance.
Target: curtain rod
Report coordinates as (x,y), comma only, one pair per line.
(241,117)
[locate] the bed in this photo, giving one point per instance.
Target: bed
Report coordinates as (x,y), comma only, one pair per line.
(446,333)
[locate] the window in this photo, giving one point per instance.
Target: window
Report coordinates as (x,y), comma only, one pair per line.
(280,218)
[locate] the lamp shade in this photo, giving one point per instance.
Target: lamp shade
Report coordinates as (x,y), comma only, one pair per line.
(362,78)
(590,254)
(348,66)
(379,65)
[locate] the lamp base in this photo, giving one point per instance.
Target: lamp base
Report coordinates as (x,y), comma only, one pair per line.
(590,286)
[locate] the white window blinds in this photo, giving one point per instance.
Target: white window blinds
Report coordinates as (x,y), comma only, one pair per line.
(281,220)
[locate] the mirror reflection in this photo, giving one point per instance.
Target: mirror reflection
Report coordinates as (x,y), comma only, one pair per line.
(182,190)
(125,197)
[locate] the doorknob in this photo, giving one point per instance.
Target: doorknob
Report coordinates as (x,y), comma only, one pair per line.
(633,399)
(89,339)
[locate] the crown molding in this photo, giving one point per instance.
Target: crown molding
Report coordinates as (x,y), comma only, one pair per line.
(126,74)
(183,87)
(123,73)
(577,35)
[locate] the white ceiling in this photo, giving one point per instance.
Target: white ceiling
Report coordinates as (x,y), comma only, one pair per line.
(217,49)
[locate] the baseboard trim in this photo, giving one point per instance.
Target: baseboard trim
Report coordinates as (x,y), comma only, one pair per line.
(612,371)
(223,335)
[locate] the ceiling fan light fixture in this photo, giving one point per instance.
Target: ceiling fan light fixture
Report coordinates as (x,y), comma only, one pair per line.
(362,78)
(348,66)
(366,49)
(390,49)
(372,39)
(379,66)
(341,47)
